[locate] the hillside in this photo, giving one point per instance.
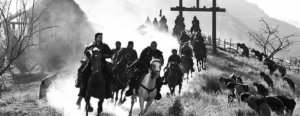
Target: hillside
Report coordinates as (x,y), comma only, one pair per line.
(202,95)
(250,14)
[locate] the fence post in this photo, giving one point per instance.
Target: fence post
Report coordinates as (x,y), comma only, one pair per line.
(225,44)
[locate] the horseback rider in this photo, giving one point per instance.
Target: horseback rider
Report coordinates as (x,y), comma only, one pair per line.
(189,54)
(148,22)
(195,25)
(199,39)
(142,65)
(163,20)
(106,52)
(128,53)
(163,23)
(115,51)
(175,59)
(184,38)
(155,23)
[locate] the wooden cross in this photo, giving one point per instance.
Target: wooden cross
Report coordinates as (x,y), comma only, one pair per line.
(213,9)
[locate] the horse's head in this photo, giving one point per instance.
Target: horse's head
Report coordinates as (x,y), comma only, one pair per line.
(95,59)
(155,67)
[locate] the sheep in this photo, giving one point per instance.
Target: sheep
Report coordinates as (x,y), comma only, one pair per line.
(225,80)
(288,103)
(258,54)
(267,79)
(290,82)
(257,103)
(245,49)
(271,65)
(275,104)
(261,89)
(239,80)
(282,70)
(239,88)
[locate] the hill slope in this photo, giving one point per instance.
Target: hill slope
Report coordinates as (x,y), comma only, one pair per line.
(202,95)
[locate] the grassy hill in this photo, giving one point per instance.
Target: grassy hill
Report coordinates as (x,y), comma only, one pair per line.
(203,95)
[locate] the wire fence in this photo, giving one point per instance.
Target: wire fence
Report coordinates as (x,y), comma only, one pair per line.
(292,64)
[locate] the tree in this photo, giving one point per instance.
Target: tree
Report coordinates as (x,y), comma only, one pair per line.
(268,39)
(14,40)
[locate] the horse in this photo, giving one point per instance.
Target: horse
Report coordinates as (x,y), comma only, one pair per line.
(173,78)
(146,90)
(186,59)
(121,78)
(200,50)
(96,83)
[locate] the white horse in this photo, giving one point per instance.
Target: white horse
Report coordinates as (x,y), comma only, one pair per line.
(147,88)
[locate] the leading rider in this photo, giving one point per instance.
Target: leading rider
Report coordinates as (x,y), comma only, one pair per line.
(106,53)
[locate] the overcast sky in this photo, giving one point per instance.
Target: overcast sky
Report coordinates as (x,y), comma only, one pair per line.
(280,9)
(286,10)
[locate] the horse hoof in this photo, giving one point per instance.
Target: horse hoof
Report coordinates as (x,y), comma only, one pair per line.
(90,109)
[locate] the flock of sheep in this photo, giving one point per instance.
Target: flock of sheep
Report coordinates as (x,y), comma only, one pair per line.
(261,102)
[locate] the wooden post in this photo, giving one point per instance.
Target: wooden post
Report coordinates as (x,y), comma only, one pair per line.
(225,44)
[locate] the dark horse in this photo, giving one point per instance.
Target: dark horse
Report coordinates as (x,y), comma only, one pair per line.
(200,50)
(121,77)
(96,83)
(173,78)
(186,59)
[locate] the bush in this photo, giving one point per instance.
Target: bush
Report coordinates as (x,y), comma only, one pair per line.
(211,85)
(177,108)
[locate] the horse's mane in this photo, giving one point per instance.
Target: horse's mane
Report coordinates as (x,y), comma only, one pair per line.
(154,60)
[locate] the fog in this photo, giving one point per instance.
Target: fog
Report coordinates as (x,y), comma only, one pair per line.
(117,21)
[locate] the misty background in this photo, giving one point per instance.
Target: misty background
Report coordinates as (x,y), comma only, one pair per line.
(79,20)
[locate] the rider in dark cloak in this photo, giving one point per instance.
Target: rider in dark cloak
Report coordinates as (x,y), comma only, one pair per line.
(141,66)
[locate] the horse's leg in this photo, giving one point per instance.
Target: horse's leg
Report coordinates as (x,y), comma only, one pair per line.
(141,99)
(116,98)
(78,103)
(198,63)
(100,108)
(148,105)
(122,100)
(88,106)
(170,89)
(132,103)
(187,76)
(180,86)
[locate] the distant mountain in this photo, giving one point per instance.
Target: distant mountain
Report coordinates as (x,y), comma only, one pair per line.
(240,16)
(250,14)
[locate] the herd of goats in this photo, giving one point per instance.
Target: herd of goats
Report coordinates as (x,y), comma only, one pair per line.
(260,101)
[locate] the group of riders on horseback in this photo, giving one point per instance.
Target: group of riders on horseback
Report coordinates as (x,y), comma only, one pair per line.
(135,68)
(161,25)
